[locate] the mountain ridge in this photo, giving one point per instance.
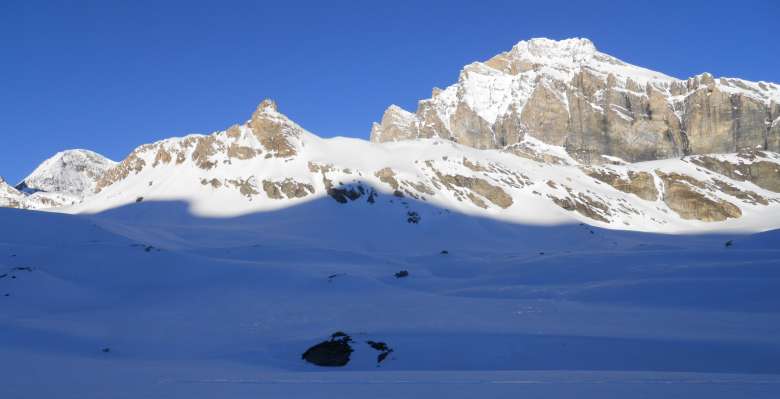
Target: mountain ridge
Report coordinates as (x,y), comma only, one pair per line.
(270,162)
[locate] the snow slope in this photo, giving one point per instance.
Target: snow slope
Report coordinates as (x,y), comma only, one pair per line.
(213,307)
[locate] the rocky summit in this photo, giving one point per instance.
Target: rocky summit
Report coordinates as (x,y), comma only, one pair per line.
(567,93)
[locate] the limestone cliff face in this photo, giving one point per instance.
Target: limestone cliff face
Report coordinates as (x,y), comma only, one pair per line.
(566,93)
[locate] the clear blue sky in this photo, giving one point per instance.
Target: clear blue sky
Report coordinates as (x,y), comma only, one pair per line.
(111,75)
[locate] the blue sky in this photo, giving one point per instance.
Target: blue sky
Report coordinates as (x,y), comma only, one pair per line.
(111,75)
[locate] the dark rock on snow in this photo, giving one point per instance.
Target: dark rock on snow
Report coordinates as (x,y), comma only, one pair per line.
(334,352)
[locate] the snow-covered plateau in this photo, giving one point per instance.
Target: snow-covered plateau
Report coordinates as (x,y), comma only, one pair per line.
(220,265)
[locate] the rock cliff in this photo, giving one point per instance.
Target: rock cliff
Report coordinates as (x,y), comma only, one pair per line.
(566,93)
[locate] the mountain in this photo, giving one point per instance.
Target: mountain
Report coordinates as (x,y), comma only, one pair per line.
(270,162)
(73,172)
(566,93)
(10,197)
(62,180)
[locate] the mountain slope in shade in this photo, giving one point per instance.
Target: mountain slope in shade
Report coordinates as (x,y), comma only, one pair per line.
(271,163)
(567,93)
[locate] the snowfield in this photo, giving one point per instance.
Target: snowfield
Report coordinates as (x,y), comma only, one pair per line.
(149,300)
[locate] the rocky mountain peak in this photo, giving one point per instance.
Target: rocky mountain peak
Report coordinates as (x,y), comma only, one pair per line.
(568,94)
(267,105)
(274,130)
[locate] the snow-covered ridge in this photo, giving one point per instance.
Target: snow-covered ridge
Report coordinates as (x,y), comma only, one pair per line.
(564,59)
(270,163)
(570,54)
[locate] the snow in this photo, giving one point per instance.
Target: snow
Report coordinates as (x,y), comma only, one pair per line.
(214,307)
(71,172)
(572,54)
(763,91)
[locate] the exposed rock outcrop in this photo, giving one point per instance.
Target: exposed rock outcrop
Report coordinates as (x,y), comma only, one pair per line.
(386,175)
(132,164)
(274,131)
(584,206)
(287,188)
(682,194)
(749,167)
(492,193)
(247,187)
(642,184)
(568,94)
